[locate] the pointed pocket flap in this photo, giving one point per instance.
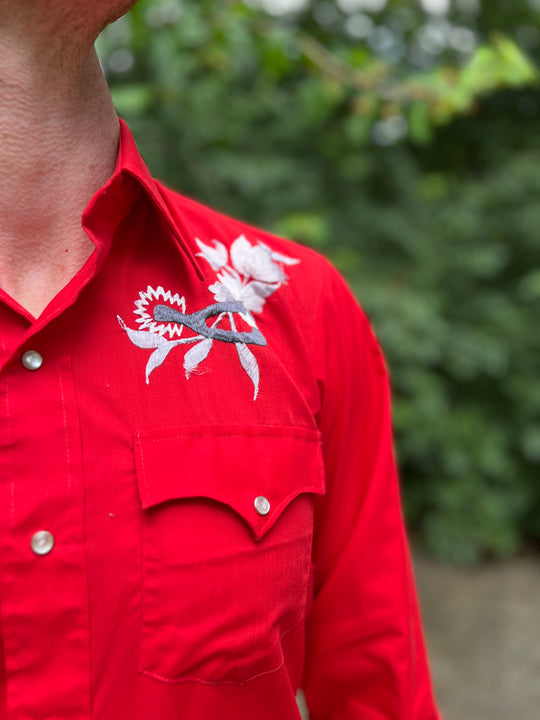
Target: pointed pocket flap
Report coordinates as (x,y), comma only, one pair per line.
(255,470)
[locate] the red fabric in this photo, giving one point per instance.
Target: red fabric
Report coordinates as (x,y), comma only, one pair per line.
(167,594)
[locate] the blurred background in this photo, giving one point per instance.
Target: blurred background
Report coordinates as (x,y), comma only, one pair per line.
(401,138)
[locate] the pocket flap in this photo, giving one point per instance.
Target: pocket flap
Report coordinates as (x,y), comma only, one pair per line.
(255,470)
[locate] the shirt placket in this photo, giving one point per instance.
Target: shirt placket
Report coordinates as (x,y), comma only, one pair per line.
(44,594)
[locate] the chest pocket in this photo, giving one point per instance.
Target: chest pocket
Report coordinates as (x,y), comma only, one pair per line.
(227,519)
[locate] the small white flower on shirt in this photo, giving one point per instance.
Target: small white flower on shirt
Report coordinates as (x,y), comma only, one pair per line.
(246,277)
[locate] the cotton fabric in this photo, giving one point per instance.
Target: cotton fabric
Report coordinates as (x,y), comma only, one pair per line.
(167,594)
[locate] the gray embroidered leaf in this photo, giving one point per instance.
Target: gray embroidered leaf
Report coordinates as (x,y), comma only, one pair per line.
(142,338)
(250,365)
(194,357)
(158,356)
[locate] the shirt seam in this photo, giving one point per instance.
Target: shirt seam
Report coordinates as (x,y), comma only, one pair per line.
(217,683)
(205,436)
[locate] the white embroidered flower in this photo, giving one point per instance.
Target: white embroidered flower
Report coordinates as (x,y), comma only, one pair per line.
(255,261)
(216,256)
(252,295)
(253,273)
(145,305)
(278,257)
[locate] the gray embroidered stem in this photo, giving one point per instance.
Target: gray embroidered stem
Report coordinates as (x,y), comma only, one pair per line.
(197,322)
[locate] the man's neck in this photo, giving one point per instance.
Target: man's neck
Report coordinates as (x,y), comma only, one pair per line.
(58,144)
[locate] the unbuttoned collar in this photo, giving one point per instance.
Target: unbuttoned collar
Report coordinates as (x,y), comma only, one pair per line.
(129,163)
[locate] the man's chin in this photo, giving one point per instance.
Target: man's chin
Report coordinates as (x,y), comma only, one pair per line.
(118,8)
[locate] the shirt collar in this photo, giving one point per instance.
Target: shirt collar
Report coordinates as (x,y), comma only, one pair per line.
(129,163)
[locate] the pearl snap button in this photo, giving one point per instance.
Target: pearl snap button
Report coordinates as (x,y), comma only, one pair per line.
(42,542)
(32,360)
(262,506)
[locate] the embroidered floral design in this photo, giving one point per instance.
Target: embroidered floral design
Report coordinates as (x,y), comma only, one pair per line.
(246,276)
(144,305)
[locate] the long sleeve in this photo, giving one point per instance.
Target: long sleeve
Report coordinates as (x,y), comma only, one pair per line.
(365,652)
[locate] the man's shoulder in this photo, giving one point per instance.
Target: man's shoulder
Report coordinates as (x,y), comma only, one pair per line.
(208,226)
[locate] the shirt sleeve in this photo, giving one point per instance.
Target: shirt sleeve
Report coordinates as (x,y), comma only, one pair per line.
(365,656)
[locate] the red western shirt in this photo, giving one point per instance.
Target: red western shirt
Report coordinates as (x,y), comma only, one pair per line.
(199,510)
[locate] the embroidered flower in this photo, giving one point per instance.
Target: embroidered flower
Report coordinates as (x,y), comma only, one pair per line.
(216,256)
(246,277)
(148,299)
(251,294)
(255,261)
(255,274)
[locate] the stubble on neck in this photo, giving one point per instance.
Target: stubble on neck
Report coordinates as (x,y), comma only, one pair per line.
(58,143)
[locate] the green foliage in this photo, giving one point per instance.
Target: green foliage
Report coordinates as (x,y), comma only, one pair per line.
(418,174)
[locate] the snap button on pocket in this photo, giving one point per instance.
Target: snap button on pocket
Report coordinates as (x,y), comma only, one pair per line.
(262,506)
